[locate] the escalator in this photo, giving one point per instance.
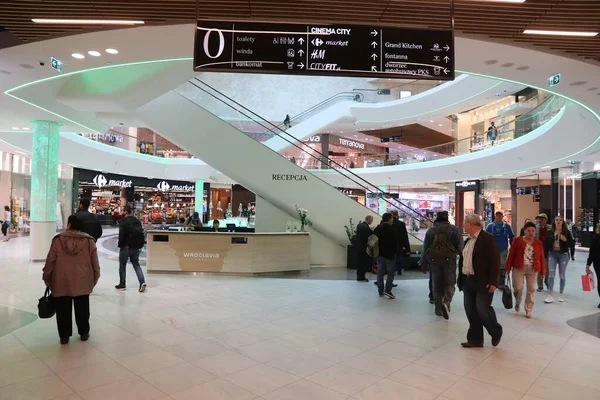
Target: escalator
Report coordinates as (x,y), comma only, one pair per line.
(195,126)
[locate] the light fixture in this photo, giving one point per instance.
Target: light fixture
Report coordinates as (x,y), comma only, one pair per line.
(440,125)
(431,121)
(78,56)
(94,53)
(86,21)
(25,129)
(559,33)
(112,51)
(15,128)
(547,167)
(522,172)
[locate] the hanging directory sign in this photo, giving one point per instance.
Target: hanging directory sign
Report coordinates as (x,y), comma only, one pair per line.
(330,50)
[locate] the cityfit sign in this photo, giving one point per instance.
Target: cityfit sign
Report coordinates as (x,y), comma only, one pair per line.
(165,186)
(466,184)
(100,181)
(282,177)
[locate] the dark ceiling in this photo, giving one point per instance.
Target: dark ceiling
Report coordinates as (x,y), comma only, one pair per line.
(498,21)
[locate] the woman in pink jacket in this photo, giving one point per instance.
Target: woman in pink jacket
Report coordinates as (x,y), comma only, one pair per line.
(71,272)
(526,259)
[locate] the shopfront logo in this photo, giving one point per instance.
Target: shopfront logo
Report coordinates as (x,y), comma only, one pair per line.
(165,186)
(100,181)
(202,256)
(465,184)
(352,144)
(282,177)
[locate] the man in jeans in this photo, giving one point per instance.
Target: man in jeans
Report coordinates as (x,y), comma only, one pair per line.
(504,237)
(131,241)
(386,261)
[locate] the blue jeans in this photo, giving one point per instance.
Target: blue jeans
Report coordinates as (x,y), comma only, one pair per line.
(560,260)
(130,254)
(385,266)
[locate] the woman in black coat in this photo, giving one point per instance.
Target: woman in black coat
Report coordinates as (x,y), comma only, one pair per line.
(594,257)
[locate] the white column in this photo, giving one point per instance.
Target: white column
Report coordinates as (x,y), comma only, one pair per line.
(44,187)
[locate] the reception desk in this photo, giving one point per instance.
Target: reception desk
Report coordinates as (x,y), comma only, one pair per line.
(234,253)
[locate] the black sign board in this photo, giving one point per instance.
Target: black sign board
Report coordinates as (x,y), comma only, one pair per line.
(535,190)
(102,180)
(330,50)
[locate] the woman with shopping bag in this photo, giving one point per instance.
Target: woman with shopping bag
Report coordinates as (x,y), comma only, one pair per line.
(594,257)
(526,260)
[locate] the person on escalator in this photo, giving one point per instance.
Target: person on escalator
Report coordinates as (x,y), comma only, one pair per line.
(287,123)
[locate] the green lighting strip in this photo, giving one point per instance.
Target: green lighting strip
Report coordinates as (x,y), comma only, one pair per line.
(9,93)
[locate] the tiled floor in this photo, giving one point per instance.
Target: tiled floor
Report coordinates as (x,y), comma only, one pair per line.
(227,338)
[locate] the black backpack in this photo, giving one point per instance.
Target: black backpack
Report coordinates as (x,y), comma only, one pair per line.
(441,249)
(136,235)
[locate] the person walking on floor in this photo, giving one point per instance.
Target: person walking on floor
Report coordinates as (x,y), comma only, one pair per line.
(402,238)
(526,260)
(541,231)
(504,238)
(71,272)
(492,133)
(594,257)
(557,245)
(6,223)
(131,241)
(363,231)
(522,233)
(479,268)
(386,261)
(443,242)
(91,224)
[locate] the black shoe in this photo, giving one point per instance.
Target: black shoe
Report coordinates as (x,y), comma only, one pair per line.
(445,311)
(431,301)
(598,305)
(84,338)
(120,287)
(364,280)
(142,288)
(540,289)
(394,285)
(64,340)
(496,340)
(469,345)
(573,258)
(438,313)
(389,295)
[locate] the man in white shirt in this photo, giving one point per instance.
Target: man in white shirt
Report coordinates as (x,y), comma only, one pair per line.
(479,268)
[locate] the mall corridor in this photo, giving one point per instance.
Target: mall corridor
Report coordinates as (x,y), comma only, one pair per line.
(220,337)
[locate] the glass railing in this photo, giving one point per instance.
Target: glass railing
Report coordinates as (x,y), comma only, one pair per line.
(214,101)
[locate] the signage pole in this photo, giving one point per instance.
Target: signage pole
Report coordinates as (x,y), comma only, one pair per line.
(452,28)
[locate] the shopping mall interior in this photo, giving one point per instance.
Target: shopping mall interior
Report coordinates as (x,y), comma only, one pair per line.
(250,139)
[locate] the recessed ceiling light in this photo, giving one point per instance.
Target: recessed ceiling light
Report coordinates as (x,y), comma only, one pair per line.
(502,1)
(15,128)
(440,125)
(112,51)
(86,21)
(25,129)
(431,121)
(521,172)
(547,166)
(94,53)
(559,33)
(78,56)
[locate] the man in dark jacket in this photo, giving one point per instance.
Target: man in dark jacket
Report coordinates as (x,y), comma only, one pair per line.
(479,268)
(91,225)
(363,231)
(439,256)
(131,241)
(403,242)
(386,261)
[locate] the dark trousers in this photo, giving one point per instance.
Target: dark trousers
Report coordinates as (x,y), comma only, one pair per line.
(479,310)
(597,269)
(399,262)
(133,255)
(385,266)
(64,315)
(443,279)
(364,264)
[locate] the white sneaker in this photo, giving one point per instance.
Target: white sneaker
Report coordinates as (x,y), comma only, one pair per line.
(561,298)
(549,299)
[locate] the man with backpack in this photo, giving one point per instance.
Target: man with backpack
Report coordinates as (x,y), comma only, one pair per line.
(90,223)
(443,242)
(131,241)
(504,237)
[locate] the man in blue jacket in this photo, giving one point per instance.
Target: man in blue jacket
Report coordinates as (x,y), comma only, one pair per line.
(504,237)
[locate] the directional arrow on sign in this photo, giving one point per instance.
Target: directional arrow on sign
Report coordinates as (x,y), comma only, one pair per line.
(374,44)
(301,65)
(446,59)
(446,71)
(373,68)
(374,56)
(301,40)
(300,51)
(374,33)
(447,48)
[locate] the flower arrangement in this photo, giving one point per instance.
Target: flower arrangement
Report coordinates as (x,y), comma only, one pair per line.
(302,216)
(351,232)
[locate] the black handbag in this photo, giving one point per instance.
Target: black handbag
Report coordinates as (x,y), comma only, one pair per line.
(507,298)
(46,307)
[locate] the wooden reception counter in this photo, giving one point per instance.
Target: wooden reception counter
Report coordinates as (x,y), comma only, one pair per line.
(235,253)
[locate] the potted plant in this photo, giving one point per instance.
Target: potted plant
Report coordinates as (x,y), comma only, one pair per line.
(351,250)
(303,217)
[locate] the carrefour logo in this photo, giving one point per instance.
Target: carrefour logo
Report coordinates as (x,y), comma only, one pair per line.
(163,186)
(100,180)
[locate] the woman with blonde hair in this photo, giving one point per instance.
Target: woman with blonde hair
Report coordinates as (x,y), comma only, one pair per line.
(558,243)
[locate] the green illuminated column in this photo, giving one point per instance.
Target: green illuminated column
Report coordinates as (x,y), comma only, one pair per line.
(44,185)
(199,197)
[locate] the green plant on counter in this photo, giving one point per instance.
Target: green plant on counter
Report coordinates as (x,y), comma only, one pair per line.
(351,232)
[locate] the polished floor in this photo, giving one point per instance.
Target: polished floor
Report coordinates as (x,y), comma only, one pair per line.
(225,338)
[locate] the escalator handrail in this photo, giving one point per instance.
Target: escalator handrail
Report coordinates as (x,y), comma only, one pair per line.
(354,96)
(278,131)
